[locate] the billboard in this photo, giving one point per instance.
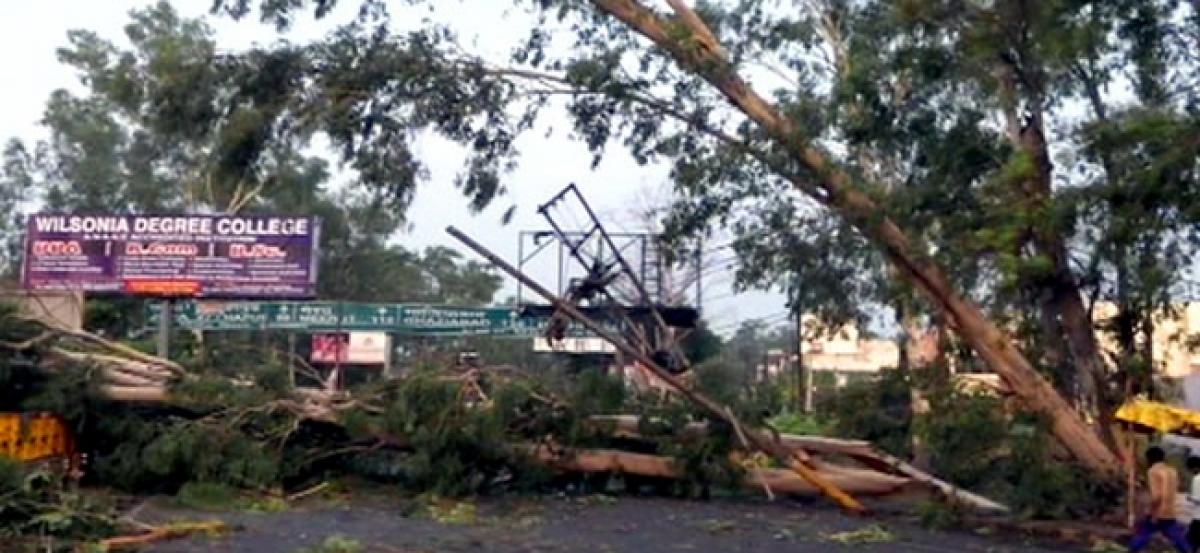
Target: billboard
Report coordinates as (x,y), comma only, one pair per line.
(574,345)
(357,348)
(329,348)
(232,256)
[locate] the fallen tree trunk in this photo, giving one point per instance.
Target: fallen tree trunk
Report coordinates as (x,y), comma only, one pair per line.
(783,481)
(628,426)
(863,453)
(125,379)
(140,394)
(109,345)
(141,369)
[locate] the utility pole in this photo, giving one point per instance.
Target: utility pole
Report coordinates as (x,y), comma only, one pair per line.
(808,389)
(799,404)
(291,358)
(164,328)
(804,377)
(804,380)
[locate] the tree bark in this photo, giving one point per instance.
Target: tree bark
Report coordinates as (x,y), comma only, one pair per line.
(833,187)
(856,481)
(1065,306)
(1026,132)
(627,426)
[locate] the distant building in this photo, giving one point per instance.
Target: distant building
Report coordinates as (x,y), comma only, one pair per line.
(1172,334)
(841,353)
(846,353)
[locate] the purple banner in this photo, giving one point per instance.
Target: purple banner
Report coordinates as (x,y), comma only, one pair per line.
(213,256)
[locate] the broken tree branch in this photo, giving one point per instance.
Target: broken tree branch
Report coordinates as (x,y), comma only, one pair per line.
(170,531)
(785,455)
(94,340)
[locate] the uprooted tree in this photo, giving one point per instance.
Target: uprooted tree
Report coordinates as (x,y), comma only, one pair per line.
(940,139)
(150,424)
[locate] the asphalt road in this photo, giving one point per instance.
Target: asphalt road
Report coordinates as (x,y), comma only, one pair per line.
(562,525)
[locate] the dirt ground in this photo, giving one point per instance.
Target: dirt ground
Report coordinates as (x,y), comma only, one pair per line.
(589,524)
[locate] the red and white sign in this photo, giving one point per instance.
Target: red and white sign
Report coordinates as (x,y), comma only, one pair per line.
(329,348)
(357,348)
(369,348)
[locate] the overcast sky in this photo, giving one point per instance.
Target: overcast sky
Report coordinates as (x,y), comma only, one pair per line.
(31,31)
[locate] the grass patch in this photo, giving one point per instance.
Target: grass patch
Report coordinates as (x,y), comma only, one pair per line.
(802,423)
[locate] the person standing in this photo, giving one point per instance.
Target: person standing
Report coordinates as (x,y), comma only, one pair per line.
(1161,516)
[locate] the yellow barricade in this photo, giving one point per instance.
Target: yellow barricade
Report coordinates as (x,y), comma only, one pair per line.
(33,436)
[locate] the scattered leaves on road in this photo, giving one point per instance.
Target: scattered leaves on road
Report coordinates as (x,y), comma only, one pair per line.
(874,533)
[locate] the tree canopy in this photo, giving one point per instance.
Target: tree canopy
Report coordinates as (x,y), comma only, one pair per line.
(173,124)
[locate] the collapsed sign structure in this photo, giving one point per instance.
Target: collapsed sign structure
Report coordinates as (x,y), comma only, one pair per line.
(173,255)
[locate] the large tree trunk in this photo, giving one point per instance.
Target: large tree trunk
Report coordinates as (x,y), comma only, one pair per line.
(830,185)
(629,426)
(782,481)
(1066,303)
(1065,306)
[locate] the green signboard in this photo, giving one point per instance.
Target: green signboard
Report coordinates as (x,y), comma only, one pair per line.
(324,316)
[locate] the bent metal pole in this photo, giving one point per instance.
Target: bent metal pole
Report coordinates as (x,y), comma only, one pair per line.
(758,440)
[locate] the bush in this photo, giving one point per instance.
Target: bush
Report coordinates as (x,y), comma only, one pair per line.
(1037,485)
(207,496)
(457,450)
(975,444)
(965,433)
(972,442)
(879,411)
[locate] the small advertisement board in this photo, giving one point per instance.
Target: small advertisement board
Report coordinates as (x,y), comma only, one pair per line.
(354,348)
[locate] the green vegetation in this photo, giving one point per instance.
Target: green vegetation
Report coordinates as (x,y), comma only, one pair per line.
(36,502)
(801,423)
(972,440)
(216,444)
(335,544)
(993,171)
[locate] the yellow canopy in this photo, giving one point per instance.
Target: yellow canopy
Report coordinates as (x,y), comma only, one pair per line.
(1161,417)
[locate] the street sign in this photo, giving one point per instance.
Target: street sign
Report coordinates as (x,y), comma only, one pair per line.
(327,316)
(575,345)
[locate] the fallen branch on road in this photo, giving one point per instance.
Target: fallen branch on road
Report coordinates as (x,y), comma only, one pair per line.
(161,533)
